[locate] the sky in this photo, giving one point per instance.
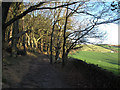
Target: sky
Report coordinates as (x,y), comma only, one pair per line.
(111,34)
(111,29)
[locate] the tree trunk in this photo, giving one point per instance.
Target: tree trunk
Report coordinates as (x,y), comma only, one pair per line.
(57,51)
(48,48)
(57,55)
(15,41)
(40,44)
(44,46)
(64,42)
(24,37)
(15,32)
(51,43)
(5,8)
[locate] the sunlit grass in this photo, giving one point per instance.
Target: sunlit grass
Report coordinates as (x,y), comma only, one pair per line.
(93,48)
(106,60)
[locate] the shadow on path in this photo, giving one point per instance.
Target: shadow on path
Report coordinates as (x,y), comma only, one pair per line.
(42,75)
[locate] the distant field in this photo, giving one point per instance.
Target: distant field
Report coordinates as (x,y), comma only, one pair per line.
(101,48)
(111,47)
(100,56)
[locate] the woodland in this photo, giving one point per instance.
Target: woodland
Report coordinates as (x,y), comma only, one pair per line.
(53,28)
(49,26)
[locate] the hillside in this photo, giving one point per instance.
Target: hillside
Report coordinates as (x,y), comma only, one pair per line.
(103,56)
(94,48)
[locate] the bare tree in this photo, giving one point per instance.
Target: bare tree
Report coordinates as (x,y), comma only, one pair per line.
(96,15)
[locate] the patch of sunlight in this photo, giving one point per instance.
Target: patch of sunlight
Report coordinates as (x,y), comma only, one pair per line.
(45,53)
(99,61)
(31,54)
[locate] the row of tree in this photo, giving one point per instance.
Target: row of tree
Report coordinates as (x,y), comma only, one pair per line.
(49,26)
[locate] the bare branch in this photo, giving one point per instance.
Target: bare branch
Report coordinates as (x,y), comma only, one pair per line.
(74,43)
(32,8)
(77,47)
(22,14)
(109,21)
(75,32)
(82,12)
(68,4)
(18,35)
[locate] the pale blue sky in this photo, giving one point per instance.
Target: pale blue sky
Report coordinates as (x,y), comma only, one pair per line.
(110,29)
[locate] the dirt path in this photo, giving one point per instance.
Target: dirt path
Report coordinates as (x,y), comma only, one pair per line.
(35,71)
(42,75)
(32,72)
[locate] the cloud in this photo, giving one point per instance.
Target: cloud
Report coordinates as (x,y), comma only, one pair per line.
(112,33)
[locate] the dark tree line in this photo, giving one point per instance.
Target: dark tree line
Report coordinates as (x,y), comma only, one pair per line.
(48,27)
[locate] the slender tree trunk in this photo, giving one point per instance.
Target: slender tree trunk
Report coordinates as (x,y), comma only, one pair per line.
(48,48)
(57,50)
(57,55)
(24,36)
(15,32)
(40,44)
(51,44)
(64,42)
(58,45)
(8,36)
(44,45)
(24,39)
(15,41)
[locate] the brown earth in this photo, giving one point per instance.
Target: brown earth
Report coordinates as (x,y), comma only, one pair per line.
(34,71)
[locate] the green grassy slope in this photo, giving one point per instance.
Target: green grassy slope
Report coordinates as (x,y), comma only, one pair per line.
(102,57)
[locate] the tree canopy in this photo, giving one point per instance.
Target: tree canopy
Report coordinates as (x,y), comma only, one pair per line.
(55,28)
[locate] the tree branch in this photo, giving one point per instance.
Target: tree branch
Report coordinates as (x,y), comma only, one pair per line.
(22,14)
(82,12)
(75,32)
(73,44)
(58,6)
(32,8)
(109,21)
(18,35)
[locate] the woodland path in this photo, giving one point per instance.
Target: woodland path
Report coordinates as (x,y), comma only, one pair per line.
(36,72)
(42,75)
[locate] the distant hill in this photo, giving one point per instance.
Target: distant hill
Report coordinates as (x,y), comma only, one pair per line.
(99,48)
(115,48)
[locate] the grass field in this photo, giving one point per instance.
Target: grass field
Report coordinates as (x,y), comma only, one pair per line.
(102,57)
